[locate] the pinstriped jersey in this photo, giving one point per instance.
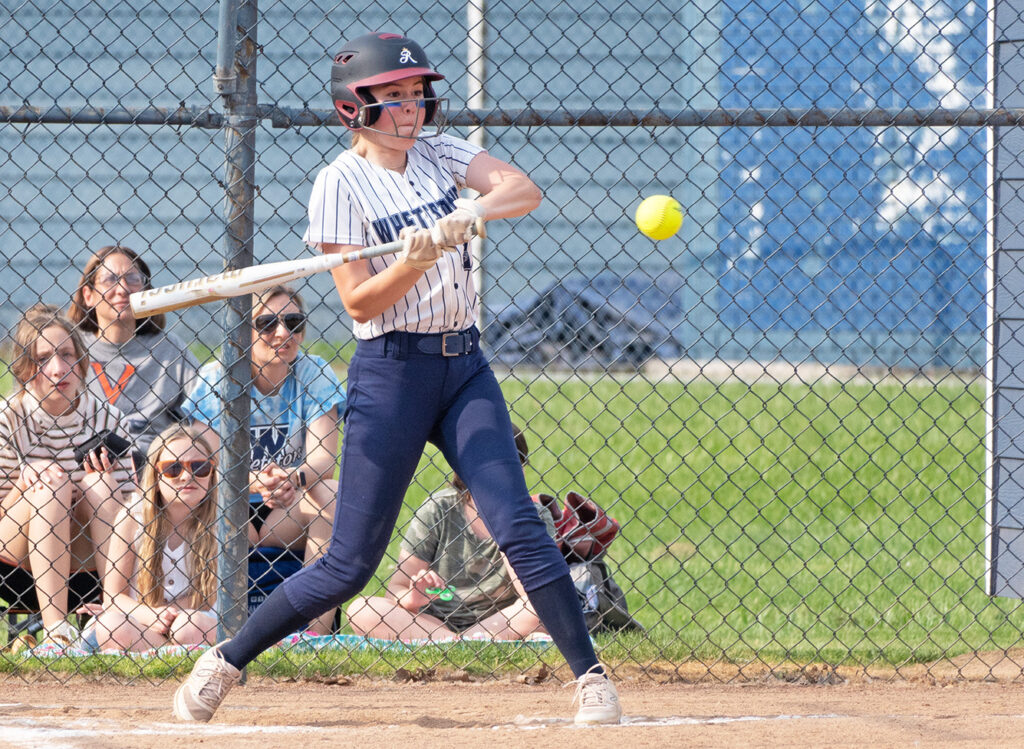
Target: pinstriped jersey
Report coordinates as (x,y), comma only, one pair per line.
(355,202)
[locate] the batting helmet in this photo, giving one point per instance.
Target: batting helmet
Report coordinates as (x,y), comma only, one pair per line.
(370,60)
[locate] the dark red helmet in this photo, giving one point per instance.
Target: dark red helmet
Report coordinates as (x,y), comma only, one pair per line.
(370,60)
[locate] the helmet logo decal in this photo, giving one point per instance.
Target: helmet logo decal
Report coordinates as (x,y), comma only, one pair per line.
(406,57)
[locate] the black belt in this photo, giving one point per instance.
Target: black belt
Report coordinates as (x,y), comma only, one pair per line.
(459,343)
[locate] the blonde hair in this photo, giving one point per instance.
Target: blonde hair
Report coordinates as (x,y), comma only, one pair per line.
(200,535)
(36,319)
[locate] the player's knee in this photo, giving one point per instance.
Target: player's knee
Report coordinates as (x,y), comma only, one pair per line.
(342,579)
(535,560)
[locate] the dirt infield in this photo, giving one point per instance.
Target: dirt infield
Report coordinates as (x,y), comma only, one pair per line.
(385,715)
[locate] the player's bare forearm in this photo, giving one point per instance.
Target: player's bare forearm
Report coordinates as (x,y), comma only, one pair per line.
(505,192)
(366,295)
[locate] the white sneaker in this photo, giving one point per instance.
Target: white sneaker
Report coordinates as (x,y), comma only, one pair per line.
(598,698)
(201,693)
(63,635)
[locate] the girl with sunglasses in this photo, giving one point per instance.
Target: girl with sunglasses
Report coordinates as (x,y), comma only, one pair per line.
(161,585)
(135,363)
(418,374)
(56,513)
(294,428)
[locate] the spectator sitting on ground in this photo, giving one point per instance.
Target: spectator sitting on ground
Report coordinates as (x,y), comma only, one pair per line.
(56,514)
(135,364)
(448,548)
(296,405)
(161,585)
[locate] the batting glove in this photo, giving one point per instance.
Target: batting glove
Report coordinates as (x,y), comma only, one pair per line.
(457,227)
(420,251)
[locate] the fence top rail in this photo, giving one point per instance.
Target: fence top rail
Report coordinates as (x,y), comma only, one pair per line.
(288,117)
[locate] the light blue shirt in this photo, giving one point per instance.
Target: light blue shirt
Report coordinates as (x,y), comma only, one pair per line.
(278,423)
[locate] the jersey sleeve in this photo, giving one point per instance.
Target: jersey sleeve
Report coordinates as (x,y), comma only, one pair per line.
(202,403)
(456,155)
(334,217)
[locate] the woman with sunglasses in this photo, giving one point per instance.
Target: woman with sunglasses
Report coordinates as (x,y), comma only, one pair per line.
(56,510)
(161,585)
(418,374)
(135,364)
(294,427)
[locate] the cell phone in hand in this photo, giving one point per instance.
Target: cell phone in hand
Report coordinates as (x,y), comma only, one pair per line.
(117,446)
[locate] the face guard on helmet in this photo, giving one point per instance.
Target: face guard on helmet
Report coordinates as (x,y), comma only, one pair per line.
(374,59)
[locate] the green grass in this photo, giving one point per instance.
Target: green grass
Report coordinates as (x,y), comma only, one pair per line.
(835,523)
(780,523)
(478,659)
(826,522)
(338,354)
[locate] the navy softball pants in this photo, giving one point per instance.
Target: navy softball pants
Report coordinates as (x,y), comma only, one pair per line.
(403,393)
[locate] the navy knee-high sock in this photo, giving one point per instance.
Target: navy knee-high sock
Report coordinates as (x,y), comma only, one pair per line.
(558,607)
(274,619)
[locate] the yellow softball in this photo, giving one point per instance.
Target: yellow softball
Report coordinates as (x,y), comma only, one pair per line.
(659,216)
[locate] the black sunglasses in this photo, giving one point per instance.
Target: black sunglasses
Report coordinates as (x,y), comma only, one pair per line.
(295,322)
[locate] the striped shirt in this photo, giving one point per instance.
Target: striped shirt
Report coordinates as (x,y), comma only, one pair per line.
(355,202)
(28,433)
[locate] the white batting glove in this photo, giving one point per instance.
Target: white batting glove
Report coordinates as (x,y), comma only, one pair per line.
(420,251)
(457,227)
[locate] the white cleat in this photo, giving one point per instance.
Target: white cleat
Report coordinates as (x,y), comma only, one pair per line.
(598,699)
(199,696)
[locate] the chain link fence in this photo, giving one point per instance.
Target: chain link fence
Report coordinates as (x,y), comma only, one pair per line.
(782,406)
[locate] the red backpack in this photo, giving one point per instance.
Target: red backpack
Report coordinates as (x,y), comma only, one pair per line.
(583,530)
(583,533)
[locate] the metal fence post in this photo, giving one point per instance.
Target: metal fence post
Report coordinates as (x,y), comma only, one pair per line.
(239,174)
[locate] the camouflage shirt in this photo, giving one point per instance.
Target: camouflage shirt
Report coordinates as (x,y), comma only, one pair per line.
(440,535)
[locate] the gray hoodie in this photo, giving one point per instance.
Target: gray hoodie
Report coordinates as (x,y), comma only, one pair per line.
(146,378)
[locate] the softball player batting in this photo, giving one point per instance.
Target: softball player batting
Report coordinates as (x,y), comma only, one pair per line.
(417,374)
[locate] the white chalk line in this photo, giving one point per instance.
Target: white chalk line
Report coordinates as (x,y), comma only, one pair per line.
(643,721)
(55,732)
(50,734)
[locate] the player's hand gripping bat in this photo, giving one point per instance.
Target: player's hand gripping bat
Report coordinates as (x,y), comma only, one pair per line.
(252,279)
